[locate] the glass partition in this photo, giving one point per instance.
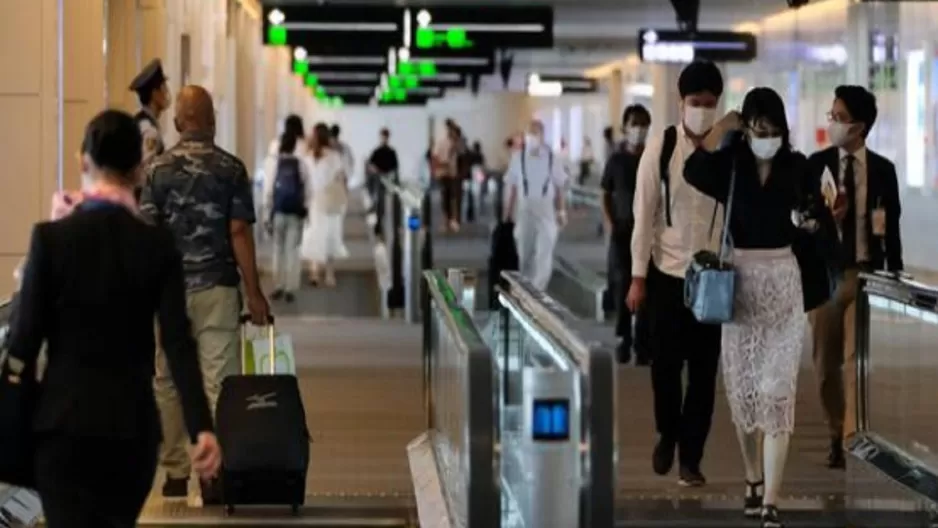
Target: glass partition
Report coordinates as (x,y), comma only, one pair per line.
(895,450)
(556,392)
(452,463)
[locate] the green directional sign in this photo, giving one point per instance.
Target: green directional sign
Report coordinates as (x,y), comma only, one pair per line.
(407,82)
(312,80)
(300,67)
(420,68)
(453,38)
(394,95)
(276,36)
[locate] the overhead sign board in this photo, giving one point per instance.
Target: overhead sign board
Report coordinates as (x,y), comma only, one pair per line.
(333,27)
(469,62)
(572,84)
(682,47)
(466,27)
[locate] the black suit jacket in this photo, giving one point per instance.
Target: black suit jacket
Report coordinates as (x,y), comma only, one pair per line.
(882,190)
(92,285)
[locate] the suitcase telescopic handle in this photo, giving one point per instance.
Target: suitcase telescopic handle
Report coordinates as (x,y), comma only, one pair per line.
(246,318)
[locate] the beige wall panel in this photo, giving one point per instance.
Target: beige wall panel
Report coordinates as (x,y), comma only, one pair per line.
(121,54)
(84,51)
(21,43)
(21,201)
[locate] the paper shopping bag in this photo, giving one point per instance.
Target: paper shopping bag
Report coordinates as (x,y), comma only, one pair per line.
(257,355)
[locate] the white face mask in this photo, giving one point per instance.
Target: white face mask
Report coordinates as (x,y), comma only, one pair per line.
(532,140)
(765,148)
(699,119)
(837,133)
(635,135)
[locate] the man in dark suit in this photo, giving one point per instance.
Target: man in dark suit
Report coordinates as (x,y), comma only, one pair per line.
(863,190)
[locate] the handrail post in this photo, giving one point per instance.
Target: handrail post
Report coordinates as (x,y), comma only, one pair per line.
(396,294)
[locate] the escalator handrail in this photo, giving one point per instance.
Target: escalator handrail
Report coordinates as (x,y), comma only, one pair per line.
(411,195)
(867,445)
(586,195)
(588,279)
(559,324)
(483,499)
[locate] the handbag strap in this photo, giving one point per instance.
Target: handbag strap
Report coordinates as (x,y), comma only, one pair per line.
(724,239)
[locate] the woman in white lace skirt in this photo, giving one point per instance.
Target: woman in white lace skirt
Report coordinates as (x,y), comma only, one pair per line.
(766,185)
(323,243)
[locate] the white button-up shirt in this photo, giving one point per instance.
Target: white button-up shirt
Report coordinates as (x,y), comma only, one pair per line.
(671,248)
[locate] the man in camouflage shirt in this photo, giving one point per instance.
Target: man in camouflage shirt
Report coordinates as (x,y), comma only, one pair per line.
(203,195)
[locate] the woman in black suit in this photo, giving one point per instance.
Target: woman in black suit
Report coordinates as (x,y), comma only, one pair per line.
(92,284)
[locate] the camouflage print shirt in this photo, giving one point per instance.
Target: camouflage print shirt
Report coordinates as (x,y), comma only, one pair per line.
(196,189)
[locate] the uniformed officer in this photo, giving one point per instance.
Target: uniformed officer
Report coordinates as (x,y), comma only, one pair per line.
(153,93)
(536,183)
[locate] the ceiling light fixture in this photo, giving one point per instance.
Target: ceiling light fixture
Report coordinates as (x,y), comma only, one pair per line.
(276,17)
(300,54)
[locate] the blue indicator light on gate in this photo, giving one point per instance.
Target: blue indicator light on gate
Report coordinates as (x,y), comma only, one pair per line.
(413,222)
(550,420)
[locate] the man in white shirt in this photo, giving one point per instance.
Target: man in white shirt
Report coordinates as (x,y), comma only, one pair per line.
(672,221)
(536,182)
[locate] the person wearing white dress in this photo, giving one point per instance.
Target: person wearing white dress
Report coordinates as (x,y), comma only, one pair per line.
(322,241)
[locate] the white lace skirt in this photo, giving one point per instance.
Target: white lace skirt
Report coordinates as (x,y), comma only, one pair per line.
(323,238)
(763,344)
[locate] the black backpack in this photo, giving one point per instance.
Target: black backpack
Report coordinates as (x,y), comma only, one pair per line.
(289,189)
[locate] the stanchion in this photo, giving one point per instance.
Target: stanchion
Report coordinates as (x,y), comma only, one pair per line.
(397,292)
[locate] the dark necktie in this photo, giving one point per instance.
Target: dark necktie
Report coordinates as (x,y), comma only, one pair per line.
(850,221)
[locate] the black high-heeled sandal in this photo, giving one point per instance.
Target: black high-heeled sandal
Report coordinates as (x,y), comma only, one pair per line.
(752,507)
(770,517)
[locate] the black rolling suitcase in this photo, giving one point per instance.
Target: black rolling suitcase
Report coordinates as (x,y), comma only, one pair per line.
(261,426)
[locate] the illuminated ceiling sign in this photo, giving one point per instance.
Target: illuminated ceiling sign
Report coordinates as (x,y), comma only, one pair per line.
(572,84)
(333,27)
(682,47)
(469,62)
(483,27)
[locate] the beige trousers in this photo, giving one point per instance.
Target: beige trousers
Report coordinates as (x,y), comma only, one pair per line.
(214,314)
(834,325)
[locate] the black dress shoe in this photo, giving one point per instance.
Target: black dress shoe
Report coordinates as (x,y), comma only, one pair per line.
(623,353)
(662,459)
(836,458)
(691,477)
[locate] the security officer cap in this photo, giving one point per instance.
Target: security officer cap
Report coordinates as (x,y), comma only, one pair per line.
(150,77)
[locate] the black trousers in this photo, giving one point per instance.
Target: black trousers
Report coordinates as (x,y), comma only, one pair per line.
(451,194)
(620,278)
(94,482)
(682,414)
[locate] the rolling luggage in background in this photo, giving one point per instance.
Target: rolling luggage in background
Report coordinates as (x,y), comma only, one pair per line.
(261,426)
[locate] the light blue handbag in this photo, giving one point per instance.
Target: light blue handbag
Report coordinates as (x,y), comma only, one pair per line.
(710,281)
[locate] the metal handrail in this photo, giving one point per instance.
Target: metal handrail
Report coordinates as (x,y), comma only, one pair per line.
(596,366)
(868,445)
(483,498)
(589,196)
(585,279)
